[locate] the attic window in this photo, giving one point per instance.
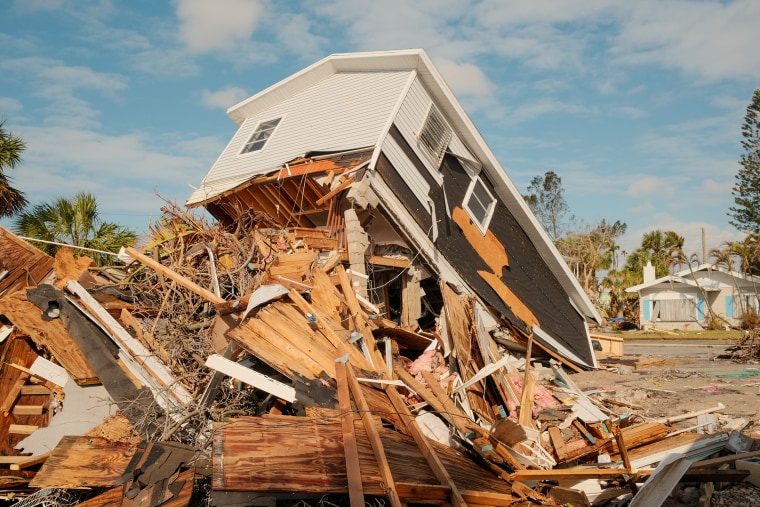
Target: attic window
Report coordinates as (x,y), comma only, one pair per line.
(434,136)
(261,135)
(479,203)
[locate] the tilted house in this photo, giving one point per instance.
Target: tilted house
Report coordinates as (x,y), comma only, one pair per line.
(373,151)
(688,298)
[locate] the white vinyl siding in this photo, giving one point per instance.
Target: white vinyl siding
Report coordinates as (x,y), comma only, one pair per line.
(410,118)
(344,111)
(406,169)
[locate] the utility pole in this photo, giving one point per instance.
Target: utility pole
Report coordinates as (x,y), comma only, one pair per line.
(704,247)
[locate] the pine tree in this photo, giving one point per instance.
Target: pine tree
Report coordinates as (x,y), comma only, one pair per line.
(745,216)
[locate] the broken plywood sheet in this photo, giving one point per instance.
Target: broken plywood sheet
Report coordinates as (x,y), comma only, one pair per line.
(84,462)
(48,334)
(263,454)
(26,265)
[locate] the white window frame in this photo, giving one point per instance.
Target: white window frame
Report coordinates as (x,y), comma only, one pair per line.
(489,208)
(434,136)
(262,128)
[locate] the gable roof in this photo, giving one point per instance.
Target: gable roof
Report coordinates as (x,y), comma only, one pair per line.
(686,276)
(672,280)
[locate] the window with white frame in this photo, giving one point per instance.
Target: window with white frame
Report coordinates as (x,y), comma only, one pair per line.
(261,135)
(434,136)
(479,202)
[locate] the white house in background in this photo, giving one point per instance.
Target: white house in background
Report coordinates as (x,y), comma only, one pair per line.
(680,300)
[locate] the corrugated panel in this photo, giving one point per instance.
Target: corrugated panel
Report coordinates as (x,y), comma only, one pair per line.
(344,111)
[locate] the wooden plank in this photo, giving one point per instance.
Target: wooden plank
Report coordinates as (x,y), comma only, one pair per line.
(30,461)
(559,474)
(351,450)
(251,377)
(28,409)
(173,275)
(33,390)
(437,494)
(716,462)
(12,460)
(84,462)
(358,316)
(15,391)
(374,438)
(525,417)
(22,429)
(558,442)
(332,193)
(428,452)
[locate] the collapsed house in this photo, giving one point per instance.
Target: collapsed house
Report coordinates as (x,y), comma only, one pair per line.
(375,316)
(374,149)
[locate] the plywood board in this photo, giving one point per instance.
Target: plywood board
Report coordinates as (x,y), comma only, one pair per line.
(297,454)
(84,462)
(50,335)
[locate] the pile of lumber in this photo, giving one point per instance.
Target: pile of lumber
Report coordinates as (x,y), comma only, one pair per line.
(252,367)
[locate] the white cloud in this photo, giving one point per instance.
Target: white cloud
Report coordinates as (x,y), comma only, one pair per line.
(208,26)
(123,171)
(709,40)
(9,105)
(649,185)
(465,79)
(533,110)
(224,98)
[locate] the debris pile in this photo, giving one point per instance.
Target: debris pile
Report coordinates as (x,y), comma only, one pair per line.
(251,365)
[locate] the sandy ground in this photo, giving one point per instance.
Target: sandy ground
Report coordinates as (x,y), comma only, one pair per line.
(667,386)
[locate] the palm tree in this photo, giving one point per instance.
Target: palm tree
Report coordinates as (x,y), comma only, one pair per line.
(74,222)
(12,200)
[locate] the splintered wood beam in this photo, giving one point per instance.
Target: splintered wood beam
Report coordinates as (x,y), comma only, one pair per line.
(461,421)
(572,474)
(358,316)
(432,458)
(332,193)
(374,438)
(173,275)
(350,447)
(529,387)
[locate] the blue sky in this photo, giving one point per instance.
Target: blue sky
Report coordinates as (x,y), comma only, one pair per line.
(637,106)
